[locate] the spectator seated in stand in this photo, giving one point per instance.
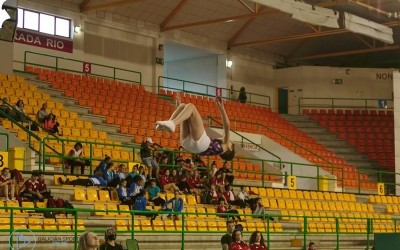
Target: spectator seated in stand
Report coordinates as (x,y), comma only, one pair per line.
(135,188)
(5,108)
(173,205)
(227,171)
(7,185)
(43,190)
(75,153)
(19,112)
(123,194)
(141,203)
(244,197)
(51,125)
(30,189)
(212,196)
(225,209)
(103,164)
(259,209)
(195,184)
(142,173)
(110,236)
(221,182)
(237,242)
(134,174)
(257,241)
(231,197)
(180,181)
(109,176)
(42,114)
(120,172)
(93,180)
(167,183)
(154,193)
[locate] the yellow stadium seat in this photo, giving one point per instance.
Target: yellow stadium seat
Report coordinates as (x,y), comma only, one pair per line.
(251,226)
(370,208)
(191,200)
(64,224)
(79,195)
(262,192)
(202,213)
(158,225)
(384,199)
(314,195)
(327,196)
(281,204)
(306,195)
(125,208)
(35,223)
(254,190)
(346,197)
(104,196)
(325,206)
(395,200)
(320,196)
(273,204)
(211,212)
(340,197)
(285,193)
(100,206)
(333,196)
(278,193)
(299,194)
(318,206)
(289,204)
(202,225)
(49,224)
(292,194)
(170,225)
(13,204)
(28,204)
(92,195)
(102,135)
(121,225)
(4,223)
(145,225)
(316,216)
(270,193)
(191,225)
(112,207)
(192,212)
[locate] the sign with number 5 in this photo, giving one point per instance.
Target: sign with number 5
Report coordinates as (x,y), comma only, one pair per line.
(87,68)
(292,182)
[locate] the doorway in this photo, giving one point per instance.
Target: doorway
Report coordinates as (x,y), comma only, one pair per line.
(283,100)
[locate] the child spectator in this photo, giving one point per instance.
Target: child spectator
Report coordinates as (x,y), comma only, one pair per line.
(180,182)
(243,196)
(93,180)
(51,125)
(121,172)
(43,190)
(135,188)
(42,114)
(123,193)
(154,193)
(30,188)
(142,173)
(176,206)
(194,182)
(167,182)
(133,175)
(108,174)
(7,185)
(259,209)
(75,153)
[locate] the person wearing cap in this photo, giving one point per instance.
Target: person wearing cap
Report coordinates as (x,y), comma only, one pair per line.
(147,158)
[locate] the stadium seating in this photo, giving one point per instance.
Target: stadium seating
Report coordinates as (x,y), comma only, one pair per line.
(370,131)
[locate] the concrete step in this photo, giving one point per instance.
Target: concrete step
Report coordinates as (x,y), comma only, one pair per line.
(296,118)
(106,127)
(81,110)
(333,143)
(97,119)
(120,137)
(324,136)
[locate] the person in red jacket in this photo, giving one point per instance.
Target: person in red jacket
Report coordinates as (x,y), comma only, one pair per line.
(167,182)
(224,209)
(43,190)
(237,242)
(194,182)
(257,241)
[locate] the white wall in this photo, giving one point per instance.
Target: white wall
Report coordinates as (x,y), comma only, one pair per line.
(199,70)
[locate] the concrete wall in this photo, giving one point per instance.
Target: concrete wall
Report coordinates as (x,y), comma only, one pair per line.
(308,81)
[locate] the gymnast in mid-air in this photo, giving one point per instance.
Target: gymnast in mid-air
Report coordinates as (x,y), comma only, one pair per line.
(193,136)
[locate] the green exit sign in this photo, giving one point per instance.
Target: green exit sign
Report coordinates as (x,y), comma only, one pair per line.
(337,81)
(159,61)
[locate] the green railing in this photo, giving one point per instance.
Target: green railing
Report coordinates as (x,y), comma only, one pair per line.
(7,144)
(209,90)
(244,139)
(77,66)
(341,103)
(32,137)
(268,233)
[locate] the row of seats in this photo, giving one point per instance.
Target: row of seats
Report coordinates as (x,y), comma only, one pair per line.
(344,217)
(349,112)
(349,228)
(302,195)
(41,224)
(317,205)
(384,199)
(395,209)
(194,225)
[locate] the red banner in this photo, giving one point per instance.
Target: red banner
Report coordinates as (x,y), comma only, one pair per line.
(43,40)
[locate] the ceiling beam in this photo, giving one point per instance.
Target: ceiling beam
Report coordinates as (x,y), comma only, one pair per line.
(218,20)
(369,45)
(108,5)
(83,5)
(255,14)
(243,28)
(345,53)
(303,36)
(246,6)
(173,13)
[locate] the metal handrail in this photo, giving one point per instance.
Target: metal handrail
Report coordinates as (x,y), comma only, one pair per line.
(228,92)
(59,59)
(333,106)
